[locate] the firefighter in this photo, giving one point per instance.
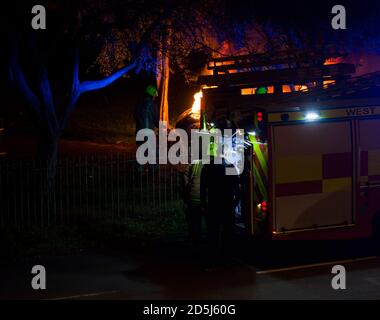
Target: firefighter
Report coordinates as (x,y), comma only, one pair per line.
(146,116)
(219,198)
(146,113)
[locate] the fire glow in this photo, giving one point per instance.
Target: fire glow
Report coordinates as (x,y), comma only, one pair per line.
(196,107)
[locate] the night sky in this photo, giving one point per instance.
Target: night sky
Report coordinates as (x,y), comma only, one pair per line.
(311,18)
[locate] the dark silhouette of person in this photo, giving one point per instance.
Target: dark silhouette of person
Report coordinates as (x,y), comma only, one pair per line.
(146,113)
(219,197)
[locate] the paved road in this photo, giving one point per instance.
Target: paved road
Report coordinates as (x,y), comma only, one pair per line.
(162,275)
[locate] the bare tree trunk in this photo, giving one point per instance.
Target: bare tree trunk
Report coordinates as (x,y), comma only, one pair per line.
(47,152)
(52,158)
(163,76)
(51,127)
(164,103)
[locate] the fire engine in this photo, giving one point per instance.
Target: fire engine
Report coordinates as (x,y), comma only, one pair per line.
(313,130)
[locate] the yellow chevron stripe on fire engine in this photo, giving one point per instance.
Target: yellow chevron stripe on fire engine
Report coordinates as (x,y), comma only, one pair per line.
(260,175)
(260,183)
(262,159)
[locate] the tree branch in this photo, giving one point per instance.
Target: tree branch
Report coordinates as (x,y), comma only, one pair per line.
(18,78)
(79,88)
(99,84)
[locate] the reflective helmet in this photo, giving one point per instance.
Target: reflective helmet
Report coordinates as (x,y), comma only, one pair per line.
(152,91)
(261,90)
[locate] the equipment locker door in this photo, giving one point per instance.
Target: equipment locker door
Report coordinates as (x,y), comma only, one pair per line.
(312,175)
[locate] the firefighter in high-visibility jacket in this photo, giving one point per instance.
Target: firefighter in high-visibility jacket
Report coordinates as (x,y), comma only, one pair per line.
(147,116)
(192,199)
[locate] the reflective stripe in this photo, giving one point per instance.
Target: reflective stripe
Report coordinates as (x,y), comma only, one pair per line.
(369,166)
(310,174)
(337,165)
(298,168)
(298,188)
(260,156)
(336,185)
(260,169)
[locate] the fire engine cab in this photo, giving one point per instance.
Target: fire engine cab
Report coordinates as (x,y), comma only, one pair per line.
(312,165)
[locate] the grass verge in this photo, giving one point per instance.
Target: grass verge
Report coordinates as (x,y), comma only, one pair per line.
(137,231)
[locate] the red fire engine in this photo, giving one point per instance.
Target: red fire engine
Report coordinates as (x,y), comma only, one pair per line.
(313,166)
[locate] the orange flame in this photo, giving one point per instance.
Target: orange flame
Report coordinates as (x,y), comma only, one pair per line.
(330,61)
(196,107)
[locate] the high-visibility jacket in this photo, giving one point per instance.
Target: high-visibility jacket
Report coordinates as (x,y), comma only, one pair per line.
(192,182)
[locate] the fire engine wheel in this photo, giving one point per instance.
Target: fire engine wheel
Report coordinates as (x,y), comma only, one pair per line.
(376,233)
